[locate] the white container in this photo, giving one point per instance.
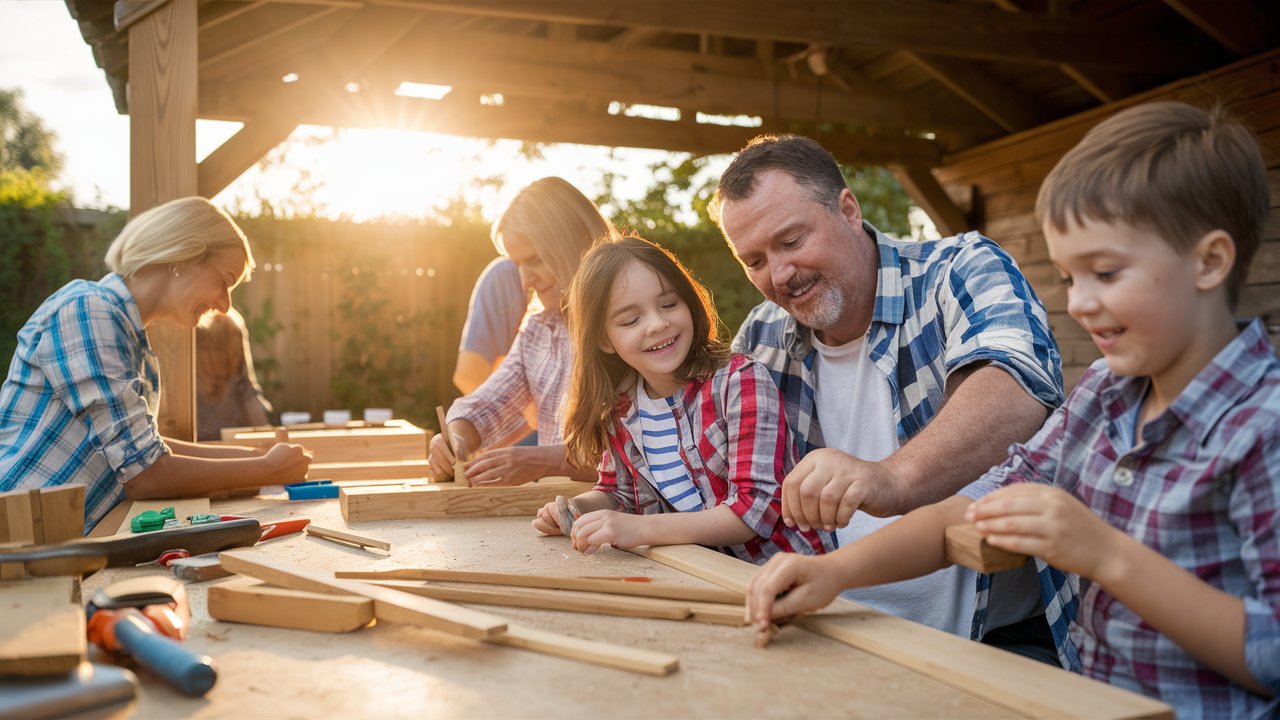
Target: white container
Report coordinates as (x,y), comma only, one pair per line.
(294,418)
(377,416)
(337,417)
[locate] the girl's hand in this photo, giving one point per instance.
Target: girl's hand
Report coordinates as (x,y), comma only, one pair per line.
(286,463)
(547,520)
(1050,524)
(804,584)
(597,529)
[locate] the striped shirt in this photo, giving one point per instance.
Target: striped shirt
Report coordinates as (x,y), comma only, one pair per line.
(734,445)
(536,370)
(79,404)
(661,444)
(1203,489)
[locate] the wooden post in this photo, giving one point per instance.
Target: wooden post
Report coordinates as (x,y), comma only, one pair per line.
(162,167)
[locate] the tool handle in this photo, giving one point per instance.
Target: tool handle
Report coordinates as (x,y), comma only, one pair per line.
(192,674)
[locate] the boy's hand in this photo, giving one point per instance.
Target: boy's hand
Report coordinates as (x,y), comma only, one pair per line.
(1046,522)
(827,486)
(595,530)
(807,582)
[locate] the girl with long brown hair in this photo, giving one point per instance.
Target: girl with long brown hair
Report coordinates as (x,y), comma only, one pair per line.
(689,439)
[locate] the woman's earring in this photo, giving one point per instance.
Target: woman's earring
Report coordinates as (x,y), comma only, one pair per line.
(174,269)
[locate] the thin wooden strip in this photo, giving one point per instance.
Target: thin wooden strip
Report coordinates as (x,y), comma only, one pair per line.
(566,600)
(551,582)
(347,538)
(389,605)
(1011,681)
(589,651)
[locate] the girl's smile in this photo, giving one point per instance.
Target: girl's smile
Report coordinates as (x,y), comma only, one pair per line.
(648,326)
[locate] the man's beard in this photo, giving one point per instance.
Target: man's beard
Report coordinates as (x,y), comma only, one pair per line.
(821,312)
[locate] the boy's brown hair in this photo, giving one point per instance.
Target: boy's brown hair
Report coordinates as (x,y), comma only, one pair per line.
(1169,167)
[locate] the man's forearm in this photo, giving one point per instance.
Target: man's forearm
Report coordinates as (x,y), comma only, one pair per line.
(985,412)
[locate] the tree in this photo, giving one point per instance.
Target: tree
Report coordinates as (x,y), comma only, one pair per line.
(25,143)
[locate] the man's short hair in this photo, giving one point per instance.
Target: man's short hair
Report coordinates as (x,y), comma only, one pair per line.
(1168,167)
(807,162)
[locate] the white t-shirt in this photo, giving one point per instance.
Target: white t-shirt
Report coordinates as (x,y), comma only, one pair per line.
(855,410)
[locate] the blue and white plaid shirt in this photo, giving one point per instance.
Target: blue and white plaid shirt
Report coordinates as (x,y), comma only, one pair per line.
(79,404)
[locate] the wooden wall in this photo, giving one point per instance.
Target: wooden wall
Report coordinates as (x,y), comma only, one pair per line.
(364,315)
(1005,176)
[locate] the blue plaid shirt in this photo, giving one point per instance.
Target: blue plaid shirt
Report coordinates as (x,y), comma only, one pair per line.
(79,403)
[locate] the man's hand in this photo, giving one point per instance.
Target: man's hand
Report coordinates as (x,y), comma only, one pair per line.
(1050,524)
(512,465)
(808,583)
(827,486)
(602,528)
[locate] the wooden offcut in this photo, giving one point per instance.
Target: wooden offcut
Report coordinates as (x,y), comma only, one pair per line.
(245,600)
(1040,691)
(42,516)
(347,538)
(389,605)
(444,500)
(967,547)
(42,626)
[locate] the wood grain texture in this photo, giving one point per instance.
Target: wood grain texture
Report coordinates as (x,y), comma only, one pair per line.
(244,600)
(62,513)
(565,600)
(397,440)
(443,500)
(42,626)
(967,547)
(18,510)
(613,587)
(1040,690)
(372,470)
(589,651)
(389,605)
(346,538)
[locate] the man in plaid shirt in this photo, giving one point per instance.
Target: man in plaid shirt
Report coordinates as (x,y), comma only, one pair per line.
(915,364)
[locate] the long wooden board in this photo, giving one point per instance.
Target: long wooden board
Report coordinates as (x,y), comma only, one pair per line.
(1040,690)
(245,600)
(589,651)
(416,469)
(445,500)
(552,582)
(397,440)
(41,626)
(388,605)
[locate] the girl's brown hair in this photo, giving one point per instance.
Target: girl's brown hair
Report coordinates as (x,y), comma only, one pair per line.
(594,385)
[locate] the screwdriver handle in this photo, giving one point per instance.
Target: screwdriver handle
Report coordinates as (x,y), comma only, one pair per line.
(190,673)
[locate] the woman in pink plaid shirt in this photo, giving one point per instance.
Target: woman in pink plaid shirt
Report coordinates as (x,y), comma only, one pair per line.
(689,439)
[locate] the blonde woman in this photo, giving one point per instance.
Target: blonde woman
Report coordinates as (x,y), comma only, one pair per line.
(545,230)
(79,403)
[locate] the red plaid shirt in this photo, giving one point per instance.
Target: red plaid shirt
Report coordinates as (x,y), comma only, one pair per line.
(737,448)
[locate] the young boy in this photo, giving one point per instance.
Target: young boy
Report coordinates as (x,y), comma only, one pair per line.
(1158,481)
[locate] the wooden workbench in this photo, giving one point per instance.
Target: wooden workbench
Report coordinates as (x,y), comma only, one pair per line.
(392,671)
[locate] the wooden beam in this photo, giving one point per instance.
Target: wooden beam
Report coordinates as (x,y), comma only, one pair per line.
(597,585)
(443,500)
(388,605)
(263,32)
(1237,25)
(566,600)
(965,546)
(129,12)
(162,167)
(250,601)
(944,28)
(240,151)
(977,88)
(1039,691)
(924,189)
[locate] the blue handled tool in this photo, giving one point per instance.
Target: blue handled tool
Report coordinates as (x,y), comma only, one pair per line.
(312,490)
(129,632)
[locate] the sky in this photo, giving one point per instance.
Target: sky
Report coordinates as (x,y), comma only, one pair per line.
(43,55)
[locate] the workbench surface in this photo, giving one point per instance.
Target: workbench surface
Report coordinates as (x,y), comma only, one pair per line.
(390,670)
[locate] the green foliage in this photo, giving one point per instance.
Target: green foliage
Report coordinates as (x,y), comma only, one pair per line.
(263,328)
(25,143)
(33,262)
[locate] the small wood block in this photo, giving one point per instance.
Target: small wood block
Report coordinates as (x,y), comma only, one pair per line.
(42,626)
(245,600)
(16,522)
(346,538)
(198,569)
(965,546)
(62,513)
(389,605)
(444,500)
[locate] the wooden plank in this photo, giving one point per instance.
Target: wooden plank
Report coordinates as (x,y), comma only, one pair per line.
(19,522)
(162,167)
(62,512)
(240,151)
(974,85)
(588,651)
(444,500)
(1039,691)
(250,601)
(377,470)
(612,587)
(346,538)
(397,440)
(965,546)
(564,600)
(42,626)
(389,605)
(182,509)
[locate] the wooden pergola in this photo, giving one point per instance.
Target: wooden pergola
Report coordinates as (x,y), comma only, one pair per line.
(969,102)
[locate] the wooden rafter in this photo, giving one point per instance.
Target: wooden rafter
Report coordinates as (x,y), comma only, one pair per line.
(1237,25)
(239,152)
(263,31)
(924,189)
(1009,110)
(946,29)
